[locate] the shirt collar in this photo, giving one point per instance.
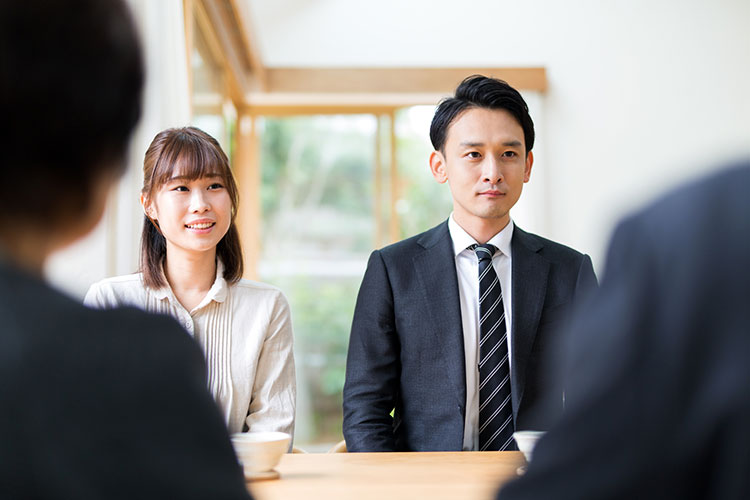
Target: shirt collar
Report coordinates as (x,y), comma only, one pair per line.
(462,240)
(217,292)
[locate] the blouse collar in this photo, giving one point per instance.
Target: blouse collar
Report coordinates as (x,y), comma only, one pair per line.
(217,292)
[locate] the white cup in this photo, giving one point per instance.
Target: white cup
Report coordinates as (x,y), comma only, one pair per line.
(260,451)
(526,440)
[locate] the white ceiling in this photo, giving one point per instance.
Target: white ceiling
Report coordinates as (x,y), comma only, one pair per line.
(478,32)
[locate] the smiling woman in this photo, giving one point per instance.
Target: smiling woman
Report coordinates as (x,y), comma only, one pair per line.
(191,269)
(186,177)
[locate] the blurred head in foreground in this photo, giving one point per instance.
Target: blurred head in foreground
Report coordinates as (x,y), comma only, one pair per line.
(91,395)
(70,88)
(658,368)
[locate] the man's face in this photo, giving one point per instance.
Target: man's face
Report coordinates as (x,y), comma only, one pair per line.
(485,164)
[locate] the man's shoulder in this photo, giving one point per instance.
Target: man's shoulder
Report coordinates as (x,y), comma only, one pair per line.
(706,219)
(548,248)
(127,349)
(134,323)
(39,318)
(418,242)
(713,205)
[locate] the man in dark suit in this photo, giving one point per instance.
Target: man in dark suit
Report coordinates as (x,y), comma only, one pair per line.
(452,326)
(659,365)
(94,404)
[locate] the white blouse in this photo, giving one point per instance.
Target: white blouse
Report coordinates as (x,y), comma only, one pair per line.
(245,330)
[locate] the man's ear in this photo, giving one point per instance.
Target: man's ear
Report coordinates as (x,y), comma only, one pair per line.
(437,167)
(529,164)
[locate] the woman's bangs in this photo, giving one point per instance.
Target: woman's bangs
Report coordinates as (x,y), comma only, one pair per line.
(187,161)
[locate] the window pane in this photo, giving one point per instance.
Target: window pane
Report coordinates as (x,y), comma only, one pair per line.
(318,227)
(422,202)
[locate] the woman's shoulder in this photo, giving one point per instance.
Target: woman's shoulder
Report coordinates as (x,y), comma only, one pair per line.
(121,280)
(120,283)
(118,290)
(260,302)
(257,290)
(250,286)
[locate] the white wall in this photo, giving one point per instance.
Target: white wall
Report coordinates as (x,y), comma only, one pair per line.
(643,94)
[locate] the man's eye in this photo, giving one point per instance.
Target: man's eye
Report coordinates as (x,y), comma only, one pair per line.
(510,154)
(473,154)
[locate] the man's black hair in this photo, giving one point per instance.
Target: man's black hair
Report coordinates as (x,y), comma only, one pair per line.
(479,91)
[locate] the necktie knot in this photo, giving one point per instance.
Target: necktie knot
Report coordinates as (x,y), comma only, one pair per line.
(484,252)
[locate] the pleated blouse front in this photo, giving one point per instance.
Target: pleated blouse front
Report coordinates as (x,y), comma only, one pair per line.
(245,331)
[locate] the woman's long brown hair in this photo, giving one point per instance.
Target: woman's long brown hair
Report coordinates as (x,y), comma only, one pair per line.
(194,154)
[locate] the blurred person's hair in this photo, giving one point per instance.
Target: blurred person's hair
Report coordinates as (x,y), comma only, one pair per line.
(479,91)
(71,75)
(191,153)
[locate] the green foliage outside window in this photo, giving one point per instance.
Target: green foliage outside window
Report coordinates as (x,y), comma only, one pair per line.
(318,228)
(317,199)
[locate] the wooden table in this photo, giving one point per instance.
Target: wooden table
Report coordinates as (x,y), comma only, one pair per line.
(389,476)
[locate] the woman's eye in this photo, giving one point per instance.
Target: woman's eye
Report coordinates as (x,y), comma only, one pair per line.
(180,188)
(215,185)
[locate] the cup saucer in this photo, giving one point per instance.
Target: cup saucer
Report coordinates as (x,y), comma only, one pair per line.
(261,476)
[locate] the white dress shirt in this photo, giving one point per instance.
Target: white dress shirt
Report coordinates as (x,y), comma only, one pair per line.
(245,331)
(467,270)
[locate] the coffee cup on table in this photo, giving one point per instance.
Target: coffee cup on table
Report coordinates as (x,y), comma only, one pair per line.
(526,440)
(260,452)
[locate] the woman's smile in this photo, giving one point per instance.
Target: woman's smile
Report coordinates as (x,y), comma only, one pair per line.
(201,226)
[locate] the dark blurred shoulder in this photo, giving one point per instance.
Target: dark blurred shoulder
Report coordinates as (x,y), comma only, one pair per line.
(39,319)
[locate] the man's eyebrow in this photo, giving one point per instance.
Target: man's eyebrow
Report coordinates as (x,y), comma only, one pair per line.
(510,144)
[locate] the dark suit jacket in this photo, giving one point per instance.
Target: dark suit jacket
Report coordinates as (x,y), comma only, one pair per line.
(406,347)
(104,404)
(659,366)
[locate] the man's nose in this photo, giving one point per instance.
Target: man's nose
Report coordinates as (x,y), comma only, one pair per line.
(491,171)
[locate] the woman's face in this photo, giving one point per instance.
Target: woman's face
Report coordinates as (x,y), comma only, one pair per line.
(193,215)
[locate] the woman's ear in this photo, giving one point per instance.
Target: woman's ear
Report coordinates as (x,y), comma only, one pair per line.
(148,207)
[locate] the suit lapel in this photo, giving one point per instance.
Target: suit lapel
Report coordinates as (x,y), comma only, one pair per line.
(436,269)
(529,283)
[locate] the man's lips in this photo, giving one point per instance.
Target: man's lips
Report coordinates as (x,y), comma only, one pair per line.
(491,193)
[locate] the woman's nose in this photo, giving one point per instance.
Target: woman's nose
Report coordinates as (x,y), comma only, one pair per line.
(199,202)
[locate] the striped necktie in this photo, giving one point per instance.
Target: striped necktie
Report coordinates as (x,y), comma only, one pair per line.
(495,407)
